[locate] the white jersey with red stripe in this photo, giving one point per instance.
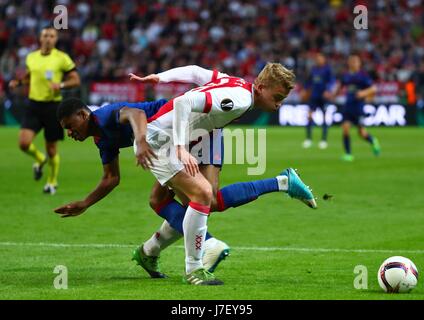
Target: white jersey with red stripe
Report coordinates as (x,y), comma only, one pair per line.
(213,105)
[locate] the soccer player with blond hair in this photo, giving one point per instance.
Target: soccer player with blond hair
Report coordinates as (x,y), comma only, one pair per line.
(214,105)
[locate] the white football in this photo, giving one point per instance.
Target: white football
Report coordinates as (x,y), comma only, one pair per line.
(397,274)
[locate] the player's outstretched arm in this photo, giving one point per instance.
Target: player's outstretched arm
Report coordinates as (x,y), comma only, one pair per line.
(151,78)
(138,121)
(188,74)
(108,182)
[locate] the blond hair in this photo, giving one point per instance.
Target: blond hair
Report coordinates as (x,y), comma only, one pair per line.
(276,74)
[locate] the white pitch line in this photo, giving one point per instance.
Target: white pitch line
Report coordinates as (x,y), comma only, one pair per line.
(65,245)
(293,249)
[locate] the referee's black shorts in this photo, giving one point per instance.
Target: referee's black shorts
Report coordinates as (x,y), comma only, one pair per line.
(42,115)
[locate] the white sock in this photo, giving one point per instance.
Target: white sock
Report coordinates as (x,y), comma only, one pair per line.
(194,227)
(283,183)
(164,237)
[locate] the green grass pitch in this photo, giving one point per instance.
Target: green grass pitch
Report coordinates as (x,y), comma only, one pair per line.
(280,248)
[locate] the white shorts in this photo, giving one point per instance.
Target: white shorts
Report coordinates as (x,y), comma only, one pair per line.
(167,165)
(208,151)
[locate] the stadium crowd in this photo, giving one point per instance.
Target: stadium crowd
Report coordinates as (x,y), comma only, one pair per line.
(109,39)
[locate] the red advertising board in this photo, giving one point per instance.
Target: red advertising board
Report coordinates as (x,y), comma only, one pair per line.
(115,91)
(130,91)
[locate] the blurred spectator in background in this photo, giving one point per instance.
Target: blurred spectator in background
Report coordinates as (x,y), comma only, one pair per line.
(110,38)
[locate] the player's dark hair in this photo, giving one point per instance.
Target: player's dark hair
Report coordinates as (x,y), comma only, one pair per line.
(69,107)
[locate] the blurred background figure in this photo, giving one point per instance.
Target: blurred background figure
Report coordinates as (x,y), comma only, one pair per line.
(317,91)
(359,88)
(107,38)
(418,80)
(46,69)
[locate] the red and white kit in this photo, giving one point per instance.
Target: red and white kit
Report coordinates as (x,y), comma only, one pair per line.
(220,100)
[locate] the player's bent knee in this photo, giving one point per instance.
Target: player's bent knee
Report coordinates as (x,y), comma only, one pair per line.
(204,194)
(51,149)
(155,201)
(159,196)
(214,204)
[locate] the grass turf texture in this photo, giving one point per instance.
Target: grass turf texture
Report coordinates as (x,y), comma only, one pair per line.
(377,206)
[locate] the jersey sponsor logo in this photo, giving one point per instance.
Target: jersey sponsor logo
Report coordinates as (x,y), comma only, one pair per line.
(227,104)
